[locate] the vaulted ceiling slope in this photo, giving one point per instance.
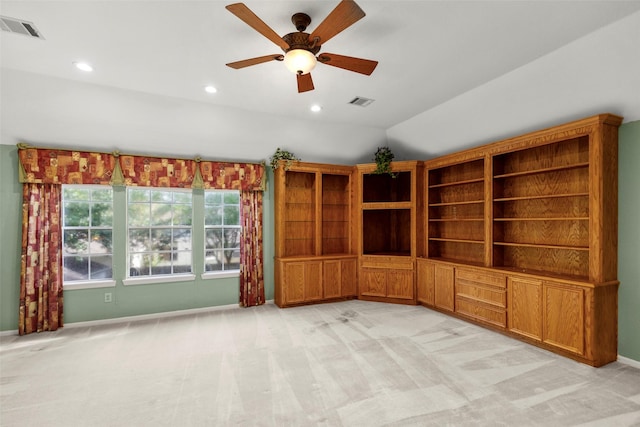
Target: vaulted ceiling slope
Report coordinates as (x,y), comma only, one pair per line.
(450,74)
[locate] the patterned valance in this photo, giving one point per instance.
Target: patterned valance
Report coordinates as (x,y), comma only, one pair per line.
(44,166)
(52,166)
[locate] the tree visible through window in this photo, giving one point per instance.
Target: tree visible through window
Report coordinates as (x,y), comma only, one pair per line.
(222,230)
(87,237)
(159,229)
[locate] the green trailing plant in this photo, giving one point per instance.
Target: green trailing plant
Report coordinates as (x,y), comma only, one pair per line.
(383,159)
(285,155)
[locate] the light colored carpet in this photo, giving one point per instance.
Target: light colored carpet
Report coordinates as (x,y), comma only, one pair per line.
(351,363)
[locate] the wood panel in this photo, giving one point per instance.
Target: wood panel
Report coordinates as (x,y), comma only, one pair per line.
(373,282)
(349,277)
(525,307)
(332,278)
(564,262)
(563,320)
(294,282)
(444,287)
(425,287)
(400,284)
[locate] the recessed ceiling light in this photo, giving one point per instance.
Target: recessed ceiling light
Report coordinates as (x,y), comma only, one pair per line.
(316,108)
(210,89)
(83,66)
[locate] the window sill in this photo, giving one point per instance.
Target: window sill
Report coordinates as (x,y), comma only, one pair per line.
(219,274)
(158,279)
(89,284)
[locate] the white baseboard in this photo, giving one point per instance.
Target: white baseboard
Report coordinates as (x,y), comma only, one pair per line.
(140,317)
(630,362)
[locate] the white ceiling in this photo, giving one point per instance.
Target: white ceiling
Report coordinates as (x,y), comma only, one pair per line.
(429,53)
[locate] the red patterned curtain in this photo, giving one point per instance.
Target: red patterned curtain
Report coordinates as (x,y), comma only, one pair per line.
(251,259)
(157,171)
(41,270)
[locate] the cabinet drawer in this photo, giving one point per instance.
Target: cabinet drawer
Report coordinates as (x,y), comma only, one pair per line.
(482,277)
(484,312)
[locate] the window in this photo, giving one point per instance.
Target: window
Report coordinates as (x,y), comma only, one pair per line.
(159,231)
(222,230)
(87,235)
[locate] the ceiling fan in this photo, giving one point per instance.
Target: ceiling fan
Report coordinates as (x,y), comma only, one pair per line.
(300,48)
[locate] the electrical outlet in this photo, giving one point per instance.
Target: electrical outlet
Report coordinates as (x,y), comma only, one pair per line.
(108,297)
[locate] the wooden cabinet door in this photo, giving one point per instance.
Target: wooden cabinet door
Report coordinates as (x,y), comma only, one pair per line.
(525,307)
(373,282)
(425,282)
(563,320)
(313,281)
(443,287)
(349,277)
(302,281)
(400,284)
(293,289)
(332,278)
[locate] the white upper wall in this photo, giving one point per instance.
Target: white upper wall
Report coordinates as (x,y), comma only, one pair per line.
(599,73)
(53,112)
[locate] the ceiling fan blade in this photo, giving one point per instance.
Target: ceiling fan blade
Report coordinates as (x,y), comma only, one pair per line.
(359,65)
(305,82)
(254,61)
(346,13)
(251,19)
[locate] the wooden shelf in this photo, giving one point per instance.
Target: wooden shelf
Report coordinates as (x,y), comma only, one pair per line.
(546,196)
(535,245)
(464,202)
(543,219)
(456,219)
(449,184)
(542,170)
(440,239)
(386,205)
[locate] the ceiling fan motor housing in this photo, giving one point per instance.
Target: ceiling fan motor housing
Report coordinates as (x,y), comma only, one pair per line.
(300,40)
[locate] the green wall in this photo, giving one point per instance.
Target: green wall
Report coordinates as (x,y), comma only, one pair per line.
(629,240)
(88,304)
(82,305)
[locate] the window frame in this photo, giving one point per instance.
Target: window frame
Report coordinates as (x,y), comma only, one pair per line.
(128,280)
(87,283)
(219,274)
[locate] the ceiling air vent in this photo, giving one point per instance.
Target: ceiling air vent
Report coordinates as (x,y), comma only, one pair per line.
(25,28)
(360,101)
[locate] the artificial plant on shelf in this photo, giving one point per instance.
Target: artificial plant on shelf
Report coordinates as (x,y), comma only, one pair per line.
(383,159)
(285,155)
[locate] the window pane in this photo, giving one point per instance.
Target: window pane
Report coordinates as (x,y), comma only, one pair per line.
(232,259)
(101,242)
(231,198)
(161,196)
(182,197)
(160,214)
(139,265)
(76,214)
(182,215)
(75,268)
(139,240)
(75,193)
(102,195)
(213,260)
(138,195)
(101,215)
(161,263)
(213,239)
(76,241)
(101,267)
(138,215)
(213,215)
(161,239)
(182,239)
(231,215)
(231,237)
(212,197)
(182,262)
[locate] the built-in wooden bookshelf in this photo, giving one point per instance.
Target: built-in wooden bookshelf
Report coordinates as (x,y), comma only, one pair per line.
(315,255)
(389,210)
(526,231)
(455,212)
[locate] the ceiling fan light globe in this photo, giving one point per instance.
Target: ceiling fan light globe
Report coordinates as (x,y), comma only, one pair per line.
(300,61)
